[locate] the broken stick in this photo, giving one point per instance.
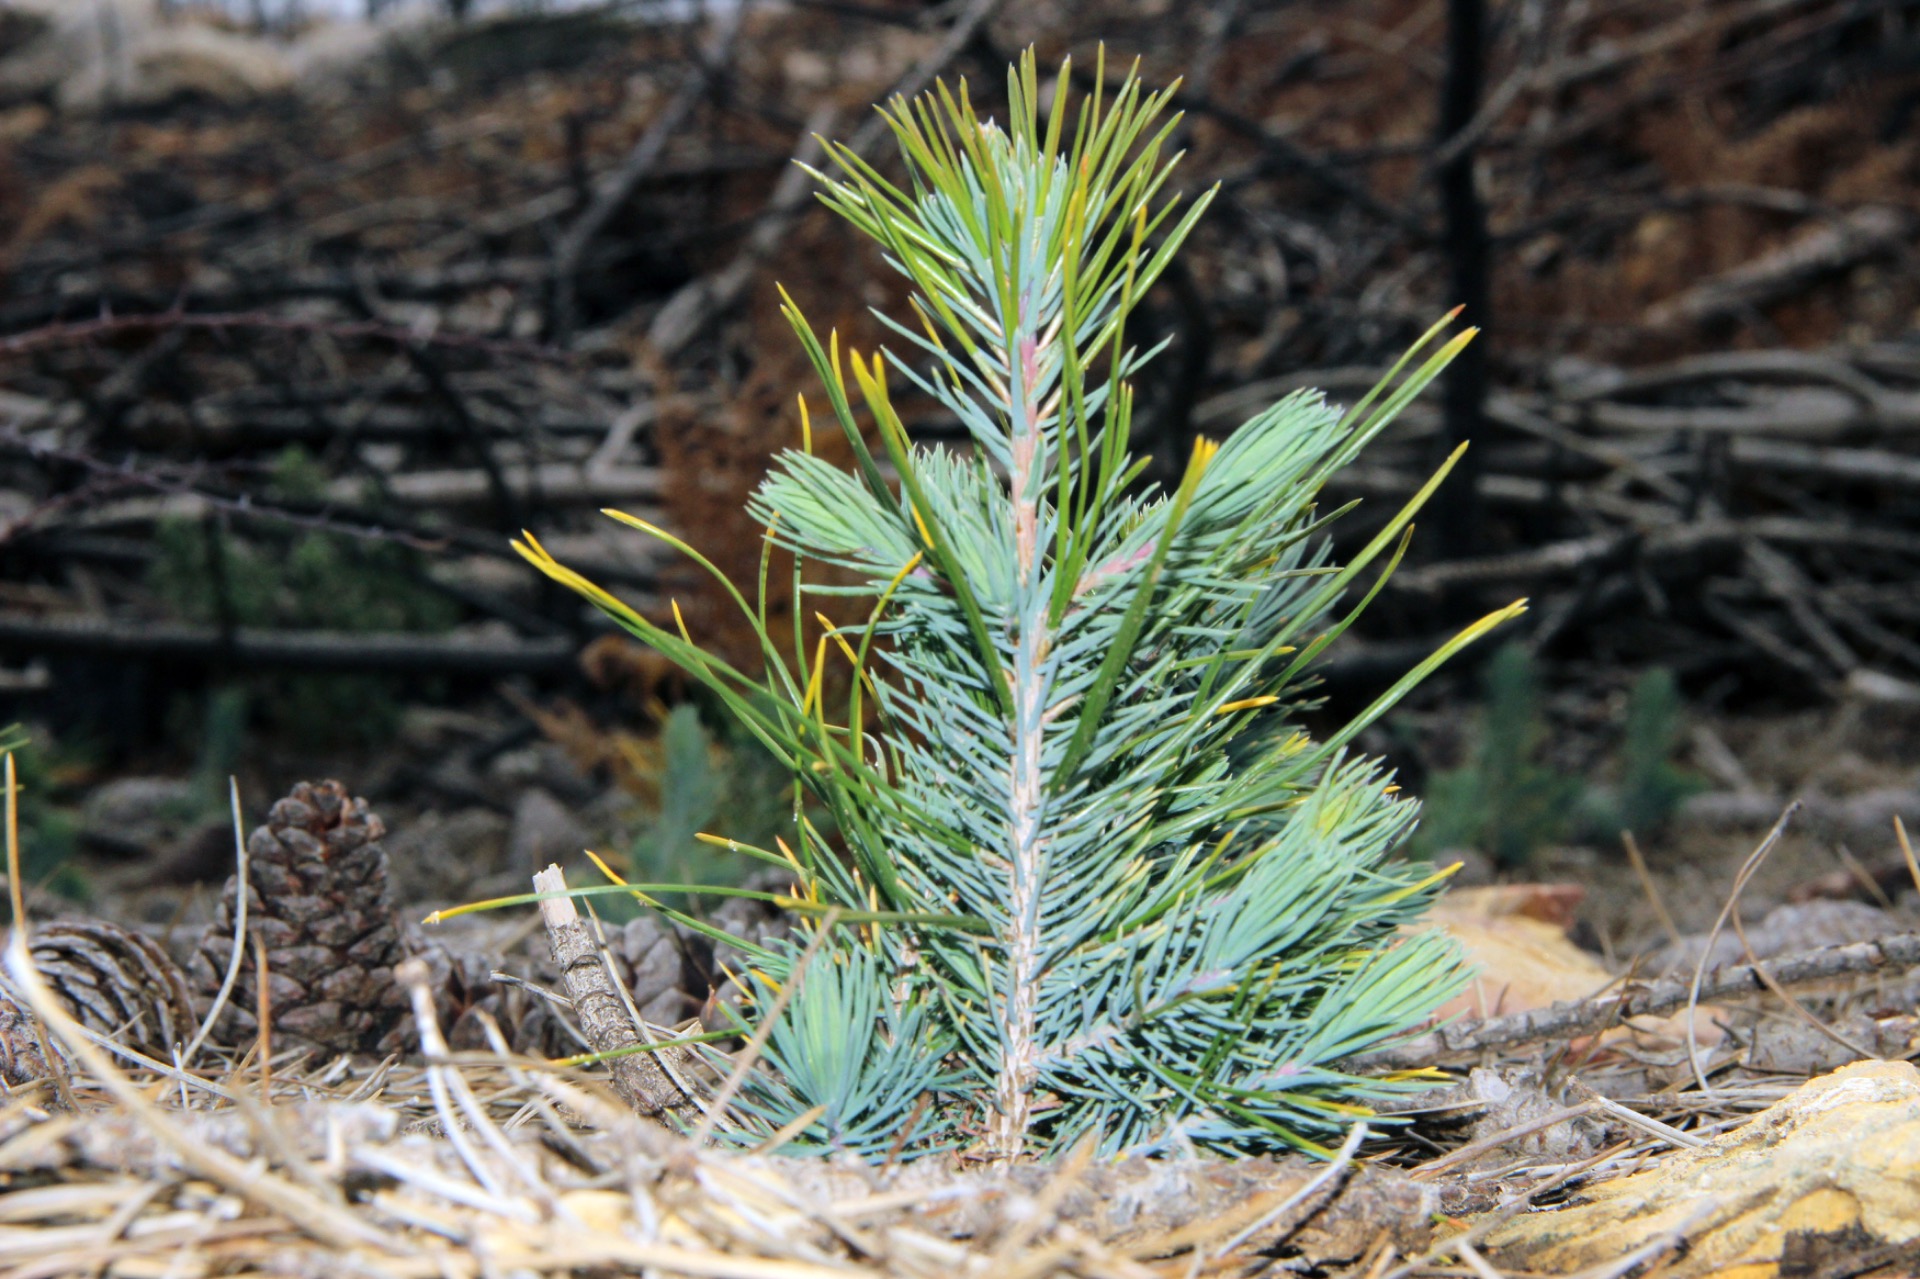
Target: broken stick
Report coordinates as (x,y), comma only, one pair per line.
(641,1078)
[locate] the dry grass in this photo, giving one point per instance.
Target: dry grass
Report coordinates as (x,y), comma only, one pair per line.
(487,1164)
(483,1167)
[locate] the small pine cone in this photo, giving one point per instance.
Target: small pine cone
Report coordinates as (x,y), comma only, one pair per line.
(118,983)
(461,980)
(21,1061)
(318,898)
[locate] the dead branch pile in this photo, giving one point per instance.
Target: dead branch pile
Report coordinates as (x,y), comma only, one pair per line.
(495,276)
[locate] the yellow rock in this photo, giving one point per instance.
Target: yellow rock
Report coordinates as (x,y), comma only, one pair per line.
(1839,1157)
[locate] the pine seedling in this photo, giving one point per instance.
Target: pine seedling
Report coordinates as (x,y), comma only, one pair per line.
(1091,880)
(1652,786)
(1505,802)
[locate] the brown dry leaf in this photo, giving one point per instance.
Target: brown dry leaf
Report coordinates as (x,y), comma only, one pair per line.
(1521,953)
(1837,1160)
(1519,964)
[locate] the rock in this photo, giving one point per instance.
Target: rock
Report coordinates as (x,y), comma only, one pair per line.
(1865,817)
(1476,868)
(433,730)
(545,765)
(656,971)
(544,830)
(752,920)
(441,858)
(1796,1048)
(1520,1097)
(1836,1164)
(137,813)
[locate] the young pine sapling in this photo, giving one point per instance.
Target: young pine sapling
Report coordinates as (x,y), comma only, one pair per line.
(1090,878)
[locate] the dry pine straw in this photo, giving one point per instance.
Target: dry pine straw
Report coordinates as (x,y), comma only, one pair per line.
(483,1165)
(487,1164)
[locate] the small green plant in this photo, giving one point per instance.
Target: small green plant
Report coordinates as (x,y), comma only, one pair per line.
(1508,805)
(1651,786)
(690,790)
(1503,802)
(699,779)
(1091,877)
(207,574)
(49,829)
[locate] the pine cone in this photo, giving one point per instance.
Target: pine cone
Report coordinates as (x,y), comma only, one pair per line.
(118,983)
(21,1061)
(319,899)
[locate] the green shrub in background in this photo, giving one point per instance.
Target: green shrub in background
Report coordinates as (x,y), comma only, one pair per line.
(704,781)
(1651,786)
(1502,802)
(52,775)
(690,790)
(207,574)
(1508,805)
(49,829)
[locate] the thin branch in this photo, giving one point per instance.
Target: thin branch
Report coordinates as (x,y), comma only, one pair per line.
(71,333)
(618,187)
(1896,952)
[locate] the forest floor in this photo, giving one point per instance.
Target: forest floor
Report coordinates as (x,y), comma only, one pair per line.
(292,345)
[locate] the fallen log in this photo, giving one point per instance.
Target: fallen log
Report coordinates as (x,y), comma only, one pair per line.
(1859,235)
(332,652)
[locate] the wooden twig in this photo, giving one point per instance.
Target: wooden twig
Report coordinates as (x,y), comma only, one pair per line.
(1859,235)
(642,1081)
(1878,467)
(1464,240)
(1895,952)
(920,77)
(550,482)
(683,316)
(618,187)
(73,332)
